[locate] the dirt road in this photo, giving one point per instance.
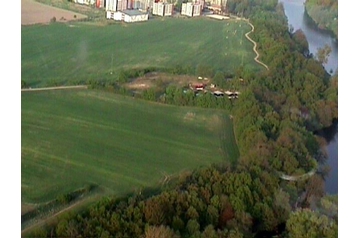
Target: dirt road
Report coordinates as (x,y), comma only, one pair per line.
(54,88)
(254,48)
(48,218)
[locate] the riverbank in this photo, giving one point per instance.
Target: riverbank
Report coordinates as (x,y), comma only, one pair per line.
(324,17)
(299,19)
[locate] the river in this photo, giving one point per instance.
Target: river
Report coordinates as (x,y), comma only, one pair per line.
(298,19)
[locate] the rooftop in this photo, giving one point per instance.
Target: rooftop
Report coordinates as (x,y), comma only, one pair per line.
(133,12)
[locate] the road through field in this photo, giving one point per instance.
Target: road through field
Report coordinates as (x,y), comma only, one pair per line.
(37,224)
(54,88)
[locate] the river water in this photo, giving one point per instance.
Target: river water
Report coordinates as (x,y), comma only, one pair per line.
(298,19)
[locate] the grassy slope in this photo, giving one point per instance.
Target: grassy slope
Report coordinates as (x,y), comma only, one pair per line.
(65,54)
(71,138)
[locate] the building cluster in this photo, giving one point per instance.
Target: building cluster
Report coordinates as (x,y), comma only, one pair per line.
(203,88)
(138,10)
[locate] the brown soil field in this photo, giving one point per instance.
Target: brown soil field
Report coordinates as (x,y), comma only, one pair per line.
(36,13)
(152,79)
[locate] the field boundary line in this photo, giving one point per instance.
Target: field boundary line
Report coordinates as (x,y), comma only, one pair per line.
(54,88)
(44,220)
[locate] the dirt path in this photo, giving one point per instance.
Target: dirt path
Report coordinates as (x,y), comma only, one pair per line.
(54,88)
(254,48)
(50,217)
(81,202)
(297,177)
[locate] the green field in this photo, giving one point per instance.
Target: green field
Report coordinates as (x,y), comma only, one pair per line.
(76,52)
(71,138)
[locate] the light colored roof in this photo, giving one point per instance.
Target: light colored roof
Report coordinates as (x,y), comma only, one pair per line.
(134,12)
(218,92)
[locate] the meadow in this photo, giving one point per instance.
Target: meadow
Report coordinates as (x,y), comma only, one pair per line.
(75,52)
(71,138)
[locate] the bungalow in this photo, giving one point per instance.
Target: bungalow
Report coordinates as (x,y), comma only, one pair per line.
(218,94)
(232,95)
(199,87)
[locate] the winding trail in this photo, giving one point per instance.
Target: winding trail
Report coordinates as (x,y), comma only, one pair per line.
(298,177)
(54,88)
(254,48)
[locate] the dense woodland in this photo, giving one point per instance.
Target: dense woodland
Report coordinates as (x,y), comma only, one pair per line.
(275,118)
(324,13)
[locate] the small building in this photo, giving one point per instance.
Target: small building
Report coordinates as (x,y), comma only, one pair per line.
(155,8)
(196,10)
(143,4)
(128,16)
(134,16)
(85,2)
(111,5)
(100,3)
(122,5)
(162,9)
(218,94)
(117,16)
(191,9)
(232,95)
(197,87)
(168,9)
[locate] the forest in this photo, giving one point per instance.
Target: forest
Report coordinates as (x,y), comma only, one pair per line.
(324,13)
(275,120)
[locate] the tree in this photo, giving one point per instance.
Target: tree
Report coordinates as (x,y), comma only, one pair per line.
(323,54)
(219,79)
(150,94)
(159,232)
(314,190)
(38,233)
(306,223)
(23,84)
(212,215)
(153,212)
(209,231)
(193,227)
(301,42)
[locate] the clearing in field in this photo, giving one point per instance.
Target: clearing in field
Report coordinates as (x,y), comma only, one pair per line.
(62,54)
(36,13)
(72,138)
(154,79)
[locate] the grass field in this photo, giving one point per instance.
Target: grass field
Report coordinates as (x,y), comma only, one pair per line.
(67,53)
(71,138)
